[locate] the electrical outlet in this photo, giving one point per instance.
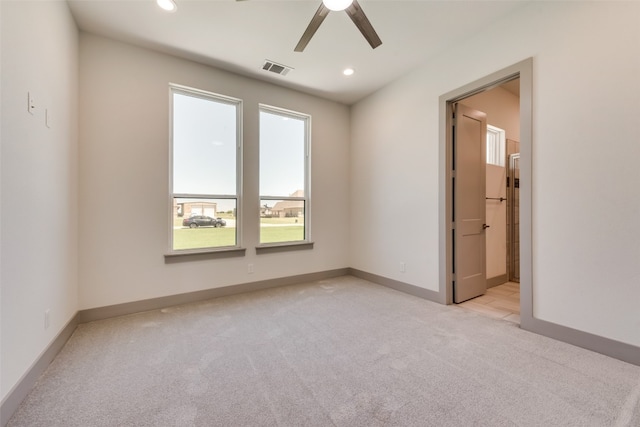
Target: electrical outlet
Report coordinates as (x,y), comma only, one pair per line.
(403,267)
(250,269)
(47,318)
(31,104)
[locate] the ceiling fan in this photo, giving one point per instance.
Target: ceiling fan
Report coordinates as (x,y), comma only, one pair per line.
(354,11)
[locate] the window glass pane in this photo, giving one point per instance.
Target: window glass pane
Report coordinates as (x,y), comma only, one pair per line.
(282,155)
(496,143)
(204,146)
(281,221)
(203,223)
(284,192)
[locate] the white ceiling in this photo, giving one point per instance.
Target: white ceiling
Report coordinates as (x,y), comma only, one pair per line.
(239,35)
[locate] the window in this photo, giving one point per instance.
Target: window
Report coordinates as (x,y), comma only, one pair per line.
(205,170)
(284,176)
(496,142)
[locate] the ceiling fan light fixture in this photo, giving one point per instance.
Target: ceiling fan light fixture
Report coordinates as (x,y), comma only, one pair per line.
(168,5)
(352,9)
(337,5)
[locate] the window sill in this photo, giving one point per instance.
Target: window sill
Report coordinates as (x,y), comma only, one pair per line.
(283,247)
(202,255)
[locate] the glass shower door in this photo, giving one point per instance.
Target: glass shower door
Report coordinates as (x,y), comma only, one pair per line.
(513,215)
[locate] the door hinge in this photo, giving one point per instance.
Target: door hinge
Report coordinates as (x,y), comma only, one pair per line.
(453,277)
(508,182)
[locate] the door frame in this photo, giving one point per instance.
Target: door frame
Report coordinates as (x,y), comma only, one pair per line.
(524,71)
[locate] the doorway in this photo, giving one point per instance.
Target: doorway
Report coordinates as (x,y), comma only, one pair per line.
(520,72)
(498,295)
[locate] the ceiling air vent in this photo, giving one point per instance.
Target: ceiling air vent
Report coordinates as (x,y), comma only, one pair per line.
(274,67)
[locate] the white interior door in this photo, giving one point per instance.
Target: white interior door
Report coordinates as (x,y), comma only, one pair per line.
(469,204)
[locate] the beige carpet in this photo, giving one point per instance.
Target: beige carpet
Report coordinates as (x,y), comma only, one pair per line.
(340,352)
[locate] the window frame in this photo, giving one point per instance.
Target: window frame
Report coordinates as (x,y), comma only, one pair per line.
(238,104)
(306,242)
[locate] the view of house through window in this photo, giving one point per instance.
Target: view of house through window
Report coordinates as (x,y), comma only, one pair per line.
(205,170)
(284,166)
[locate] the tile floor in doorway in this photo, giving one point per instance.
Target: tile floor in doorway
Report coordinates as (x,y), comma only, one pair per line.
(501,302)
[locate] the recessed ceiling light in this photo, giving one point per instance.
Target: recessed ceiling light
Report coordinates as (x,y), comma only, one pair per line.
(348,71)
(168,5)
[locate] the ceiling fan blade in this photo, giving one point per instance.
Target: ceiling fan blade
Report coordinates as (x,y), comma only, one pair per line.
(358,17)
(317,19)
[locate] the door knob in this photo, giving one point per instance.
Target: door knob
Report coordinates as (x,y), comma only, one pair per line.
(485,226)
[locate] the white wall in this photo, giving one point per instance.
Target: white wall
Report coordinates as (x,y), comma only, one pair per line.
(124,166)
(586,237)
(503,111)
(39,180)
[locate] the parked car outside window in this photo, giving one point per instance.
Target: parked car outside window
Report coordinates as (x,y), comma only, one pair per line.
(203,221)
